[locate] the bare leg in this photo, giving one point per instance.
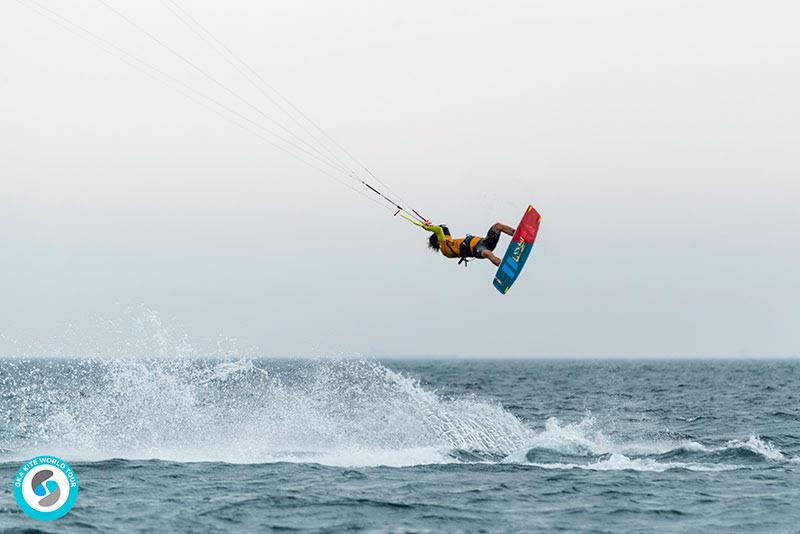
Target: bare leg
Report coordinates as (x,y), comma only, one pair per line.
(500,227)
(489,255)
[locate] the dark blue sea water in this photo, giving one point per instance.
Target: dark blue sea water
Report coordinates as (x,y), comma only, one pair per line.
(409,446)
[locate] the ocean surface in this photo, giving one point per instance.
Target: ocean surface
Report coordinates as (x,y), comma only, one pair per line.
(409,446)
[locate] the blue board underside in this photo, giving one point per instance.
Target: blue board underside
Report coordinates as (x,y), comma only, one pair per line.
(512,264)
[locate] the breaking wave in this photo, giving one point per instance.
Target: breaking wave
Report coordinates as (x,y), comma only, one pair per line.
(584,445)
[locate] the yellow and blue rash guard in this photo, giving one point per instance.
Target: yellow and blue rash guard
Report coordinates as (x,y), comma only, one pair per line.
(464,247)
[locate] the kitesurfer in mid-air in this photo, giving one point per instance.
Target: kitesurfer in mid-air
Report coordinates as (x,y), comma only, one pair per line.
(468,246)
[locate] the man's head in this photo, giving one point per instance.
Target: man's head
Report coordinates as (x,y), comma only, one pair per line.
(433,242)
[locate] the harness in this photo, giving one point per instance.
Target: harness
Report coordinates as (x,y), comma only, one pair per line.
(465,251)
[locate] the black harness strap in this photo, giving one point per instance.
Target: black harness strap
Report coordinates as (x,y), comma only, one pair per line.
(465,250)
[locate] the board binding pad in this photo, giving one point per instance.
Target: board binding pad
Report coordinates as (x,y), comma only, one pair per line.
(518,251)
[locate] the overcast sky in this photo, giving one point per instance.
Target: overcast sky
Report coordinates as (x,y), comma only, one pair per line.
(659,140)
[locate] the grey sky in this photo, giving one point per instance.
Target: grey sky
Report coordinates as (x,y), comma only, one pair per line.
(659,140)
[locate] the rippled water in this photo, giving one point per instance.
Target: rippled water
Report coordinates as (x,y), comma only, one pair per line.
(218,446)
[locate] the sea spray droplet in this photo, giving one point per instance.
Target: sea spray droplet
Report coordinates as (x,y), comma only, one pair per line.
(336,412)
(348,412)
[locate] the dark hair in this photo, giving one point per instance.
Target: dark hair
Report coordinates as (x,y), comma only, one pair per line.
(433,242)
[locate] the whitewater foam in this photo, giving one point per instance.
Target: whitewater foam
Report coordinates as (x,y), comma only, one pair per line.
(757,445)
(333,412)
(588,438)
(620,462)
(589,447)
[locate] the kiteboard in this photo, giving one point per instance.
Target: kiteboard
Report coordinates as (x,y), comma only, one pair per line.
(518,251)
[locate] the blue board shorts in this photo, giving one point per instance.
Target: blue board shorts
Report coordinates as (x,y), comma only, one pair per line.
(487,243)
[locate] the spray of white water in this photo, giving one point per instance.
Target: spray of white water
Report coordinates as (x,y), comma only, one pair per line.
(151,397)
(333,412)
(348,412)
